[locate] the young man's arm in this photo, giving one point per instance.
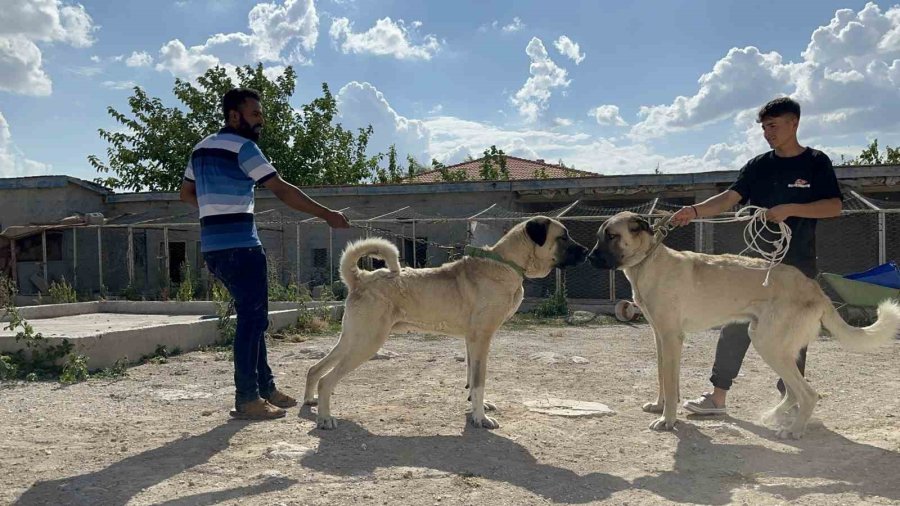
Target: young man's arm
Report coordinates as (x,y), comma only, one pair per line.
(825,208)
(294,198)
(189,192)
(709,207)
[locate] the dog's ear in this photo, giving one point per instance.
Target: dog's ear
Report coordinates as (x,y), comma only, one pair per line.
(642,224)
(536,229)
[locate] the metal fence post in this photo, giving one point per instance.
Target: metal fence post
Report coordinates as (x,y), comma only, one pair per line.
(882,238)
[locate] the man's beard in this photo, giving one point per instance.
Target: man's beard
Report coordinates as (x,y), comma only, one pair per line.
(249,131)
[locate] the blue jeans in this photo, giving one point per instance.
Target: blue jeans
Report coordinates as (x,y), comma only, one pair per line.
(243,272)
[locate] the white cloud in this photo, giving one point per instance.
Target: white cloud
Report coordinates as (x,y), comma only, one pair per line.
(848,81)
(274,27)
(21,70)
(361,104)
(95,59)
(743,78)
(12,162)
(185,62)
(119,85)
(519,147)
(455,136)
(607,115)
(458,154)
(386,38)
(534,95)
(515,26)
(23,25)
(562,122)
(569,49)
(436,109)
(139,59)
(281,33)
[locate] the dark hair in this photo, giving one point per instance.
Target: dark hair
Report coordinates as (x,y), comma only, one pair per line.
(235,97)
(778,107)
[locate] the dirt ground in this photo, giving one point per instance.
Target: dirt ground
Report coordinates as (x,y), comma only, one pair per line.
(162,434)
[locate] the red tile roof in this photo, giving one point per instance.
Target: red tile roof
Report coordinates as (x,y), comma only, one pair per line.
(519,169)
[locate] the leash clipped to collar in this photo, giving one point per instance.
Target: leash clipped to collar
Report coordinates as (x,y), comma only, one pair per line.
(476,252)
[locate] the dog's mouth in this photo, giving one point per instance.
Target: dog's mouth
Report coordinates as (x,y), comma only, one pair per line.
(575,254)
(603,260)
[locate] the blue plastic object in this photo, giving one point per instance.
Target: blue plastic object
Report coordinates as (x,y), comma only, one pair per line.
(883,275)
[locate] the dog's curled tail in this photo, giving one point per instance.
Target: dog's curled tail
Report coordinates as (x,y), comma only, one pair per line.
(865,338)
(376,247)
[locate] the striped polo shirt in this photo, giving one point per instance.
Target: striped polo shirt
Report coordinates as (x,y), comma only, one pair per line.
(225,167)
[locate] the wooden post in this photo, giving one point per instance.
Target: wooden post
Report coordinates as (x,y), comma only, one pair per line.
(298,255)
(166,253)
(100,256)
(414,248)
(75,258)
(131,256)
(12,260)
(44,254)
(330,256)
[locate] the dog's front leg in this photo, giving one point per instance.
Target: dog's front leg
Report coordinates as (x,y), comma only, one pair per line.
(671,343)
(488,405)
(478,347)
(657,407)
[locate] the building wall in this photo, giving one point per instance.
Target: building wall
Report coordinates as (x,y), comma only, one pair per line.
(25,206)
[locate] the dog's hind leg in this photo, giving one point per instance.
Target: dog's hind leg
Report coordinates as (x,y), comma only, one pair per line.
(357,345)
(317,370)
(783,361)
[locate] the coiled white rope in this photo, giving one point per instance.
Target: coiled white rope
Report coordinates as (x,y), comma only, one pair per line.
(772,250)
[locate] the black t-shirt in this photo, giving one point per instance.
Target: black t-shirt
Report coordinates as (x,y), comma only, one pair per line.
(769,180)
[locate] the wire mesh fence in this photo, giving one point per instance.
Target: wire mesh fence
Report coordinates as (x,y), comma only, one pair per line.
(148,257)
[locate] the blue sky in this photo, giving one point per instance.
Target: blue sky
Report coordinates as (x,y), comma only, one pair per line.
(612,87)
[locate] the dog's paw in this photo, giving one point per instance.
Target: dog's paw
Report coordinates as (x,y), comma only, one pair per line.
(484,423)
(311,402)
(653,407)
(326,423)
(790,434)
(662,424)
(490,406)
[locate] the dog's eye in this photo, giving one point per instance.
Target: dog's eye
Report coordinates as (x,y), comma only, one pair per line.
(610,237)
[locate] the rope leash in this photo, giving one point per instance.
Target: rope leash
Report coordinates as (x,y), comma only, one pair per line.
(772,251)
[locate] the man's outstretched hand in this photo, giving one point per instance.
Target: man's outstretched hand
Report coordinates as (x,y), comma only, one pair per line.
(336,219)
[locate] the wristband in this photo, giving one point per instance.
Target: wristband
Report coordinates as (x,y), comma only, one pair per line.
(696,213)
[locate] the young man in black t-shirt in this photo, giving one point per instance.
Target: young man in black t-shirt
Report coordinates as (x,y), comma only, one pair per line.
(797,185)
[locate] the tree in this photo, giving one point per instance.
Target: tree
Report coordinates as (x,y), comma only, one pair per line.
(493,165)
(447,175)
(392,174)
(871,156)
(151,151)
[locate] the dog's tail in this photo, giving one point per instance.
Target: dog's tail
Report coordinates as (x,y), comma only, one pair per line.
(865,338)
(376,247)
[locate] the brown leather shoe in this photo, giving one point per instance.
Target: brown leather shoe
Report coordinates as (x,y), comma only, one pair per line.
(260,409)
(280,399)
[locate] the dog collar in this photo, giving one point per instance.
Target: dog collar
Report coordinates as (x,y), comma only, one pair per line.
(475,252)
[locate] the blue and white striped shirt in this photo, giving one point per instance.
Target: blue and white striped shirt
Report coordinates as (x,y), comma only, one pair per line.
(225,167)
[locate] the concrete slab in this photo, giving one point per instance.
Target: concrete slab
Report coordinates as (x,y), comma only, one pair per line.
(109,331)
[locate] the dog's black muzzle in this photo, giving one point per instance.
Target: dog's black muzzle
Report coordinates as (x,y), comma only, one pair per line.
(574,255)
(603,259)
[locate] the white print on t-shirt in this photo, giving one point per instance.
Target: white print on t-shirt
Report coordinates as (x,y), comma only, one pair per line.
(799,183)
